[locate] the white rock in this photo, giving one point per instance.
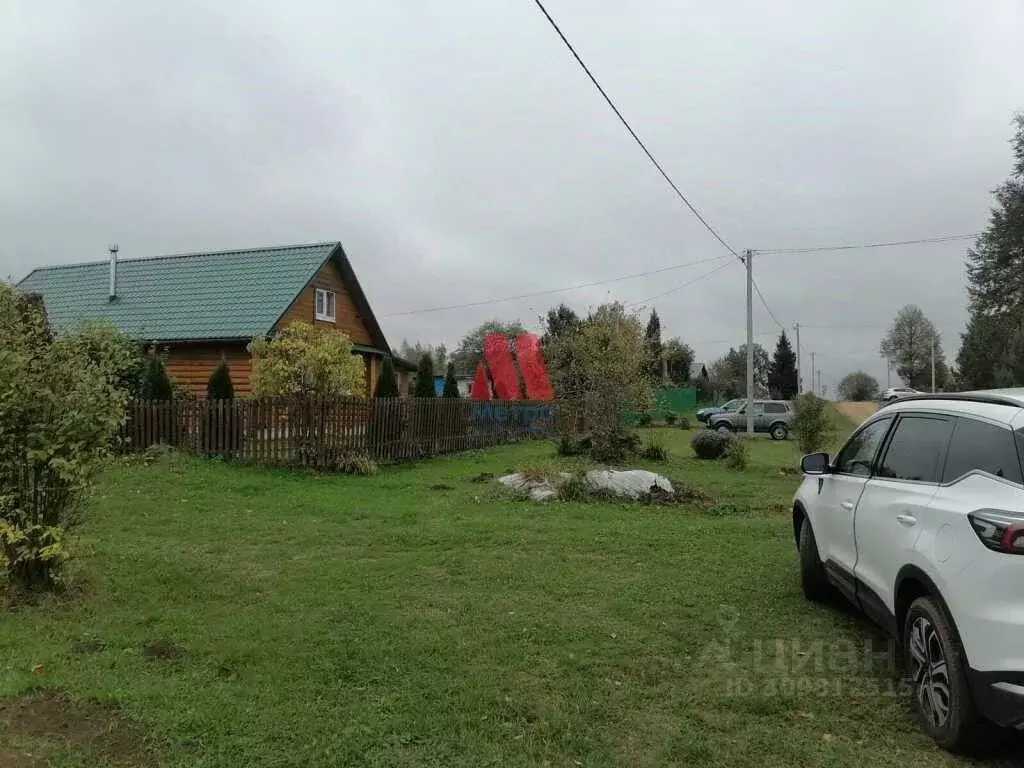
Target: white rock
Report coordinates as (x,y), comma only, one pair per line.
(515,481)
(630,483)
(537,490)
(543,493)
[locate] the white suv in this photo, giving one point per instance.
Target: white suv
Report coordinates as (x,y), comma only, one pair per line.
(919,521)
(895,393)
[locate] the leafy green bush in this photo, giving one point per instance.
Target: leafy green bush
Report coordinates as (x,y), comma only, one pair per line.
(737,453)
(609,446)
(812,426)
(613,445)
(304,359)
(644,420)
(709,444)
(105,345)
(308,364)
(572,445)
(600,368)
(671,418)
(684,421)
(61,403)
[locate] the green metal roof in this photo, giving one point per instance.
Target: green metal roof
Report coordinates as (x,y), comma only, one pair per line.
(192,296)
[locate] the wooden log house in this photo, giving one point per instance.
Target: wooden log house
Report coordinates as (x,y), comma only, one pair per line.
(198,308)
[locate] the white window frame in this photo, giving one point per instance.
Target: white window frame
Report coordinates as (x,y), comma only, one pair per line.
(328,301)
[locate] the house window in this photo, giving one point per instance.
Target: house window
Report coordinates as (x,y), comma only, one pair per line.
(325,305)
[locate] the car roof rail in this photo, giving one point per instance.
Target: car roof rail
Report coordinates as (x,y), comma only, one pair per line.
(969,397)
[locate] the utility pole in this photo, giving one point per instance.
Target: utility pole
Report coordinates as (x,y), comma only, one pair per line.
(814,388)
(749,261)
(933,362)
(799,379)
(822,392)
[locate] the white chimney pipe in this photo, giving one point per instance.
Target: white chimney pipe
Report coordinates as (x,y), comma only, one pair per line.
(113,271)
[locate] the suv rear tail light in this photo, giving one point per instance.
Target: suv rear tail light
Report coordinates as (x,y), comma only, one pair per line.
(999,531)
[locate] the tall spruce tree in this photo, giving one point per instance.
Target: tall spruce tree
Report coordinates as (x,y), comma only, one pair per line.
(451,384)
(219,386)
(995,274)
(782,378)
(425,378)
(220,425)
(387,384)
(652,343)
(156,384)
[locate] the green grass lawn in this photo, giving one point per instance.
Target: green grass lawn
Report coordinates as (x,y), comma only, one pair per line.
(418,618)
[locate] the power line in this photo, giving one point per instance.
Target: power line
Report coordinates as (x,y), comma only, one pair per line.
(760,295)
(845,326)
(633,133)
(498,300)
(920,241)
(719,268)
(764,335)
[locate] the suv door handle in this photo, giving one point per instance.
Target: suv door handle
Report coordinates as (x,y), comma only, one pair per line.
(847,505)
(907,520)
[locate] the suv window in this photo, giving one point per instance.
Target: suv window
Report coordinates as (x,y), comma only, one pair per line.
(857,455)
(775,408)
(917,449)
(1020,447)
(977,445)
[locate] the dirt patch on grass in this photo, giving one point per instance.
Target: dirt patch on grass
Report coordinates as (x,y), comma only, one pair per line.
(163,650)
(88,645)
(52,718)
(856,412)
(11,759)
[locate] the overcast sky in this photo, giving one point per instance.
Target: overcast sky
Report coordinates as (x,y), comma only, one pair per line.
(458,152)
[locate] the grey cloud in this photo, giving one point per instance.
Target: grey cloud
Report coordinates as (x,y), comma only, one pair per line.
(459,154)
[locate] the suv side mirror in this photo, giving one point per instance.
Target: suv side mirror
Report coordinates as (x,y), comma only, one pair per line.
(815,464)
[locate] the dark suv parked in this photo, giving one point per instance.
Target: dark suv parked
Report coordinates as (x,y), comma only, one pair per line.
(771,416)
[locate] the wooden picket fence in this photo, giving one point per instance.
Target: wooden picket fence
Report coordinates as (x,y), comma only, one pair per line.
(325,433)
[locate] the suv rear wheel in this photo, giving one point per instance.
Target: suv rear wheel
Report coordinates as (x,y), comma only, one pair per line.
(938,673)
(812,572)
(779,431)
